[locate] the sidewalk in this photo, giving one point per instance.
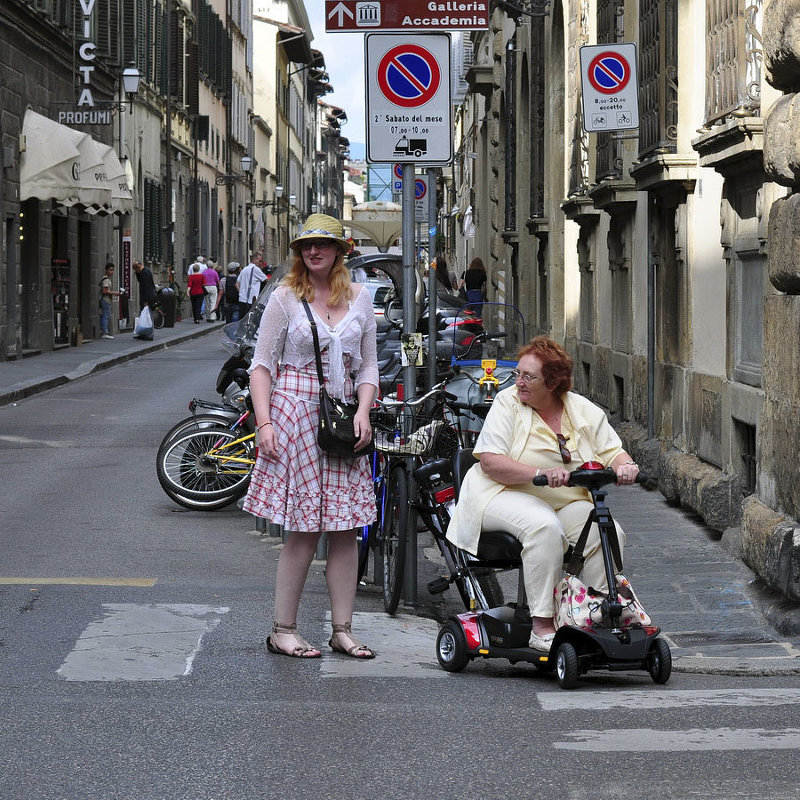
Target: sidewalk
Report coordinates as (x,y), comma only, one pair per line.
(704,599)
(28,376)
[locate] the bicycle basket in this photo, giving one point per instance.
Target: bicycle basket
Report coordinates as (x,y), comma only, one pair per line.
(412,435)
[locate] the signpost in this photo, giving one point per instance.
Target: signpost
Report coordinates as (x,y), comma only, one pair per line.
(410,16)
(409,112)
(610,88)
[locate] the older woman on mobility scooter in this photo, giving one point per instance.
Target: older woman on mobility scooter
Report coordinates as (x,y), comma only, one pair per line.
(539,427)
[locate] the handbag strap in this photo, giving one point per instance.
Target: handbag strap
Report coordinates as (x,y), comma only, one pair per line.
(316,343)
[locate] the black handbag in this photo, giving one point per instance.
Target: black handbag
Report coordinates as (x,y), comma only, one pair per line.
(335,433)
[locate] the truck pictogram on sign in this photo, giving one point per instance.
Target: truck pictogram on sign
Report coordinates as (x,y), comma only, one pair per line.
(411,147)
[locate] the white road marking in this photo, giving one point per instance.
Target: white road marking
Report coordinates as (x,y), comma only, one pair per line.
(647,740)
(155,642)
(623,701)
(405,648)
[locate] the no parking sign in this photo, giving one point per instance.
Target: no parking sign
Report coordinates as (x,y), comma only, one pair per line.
(609,87)
(408,98)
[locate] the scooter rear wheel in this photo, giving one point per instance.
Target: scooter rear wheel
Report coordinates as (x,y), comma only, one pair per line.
(659,661)
(451,647)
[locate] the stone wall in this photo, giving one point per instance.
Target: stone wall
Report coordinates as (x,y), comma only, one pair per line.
(770,538)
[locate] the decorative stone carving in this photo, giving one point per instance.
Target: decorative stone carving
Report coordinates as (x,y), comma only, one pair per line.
(782,141)
(782,44)
(784,244)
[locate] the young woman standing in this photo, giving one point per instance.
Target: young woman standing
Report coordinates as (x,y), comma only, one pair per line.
(294,483)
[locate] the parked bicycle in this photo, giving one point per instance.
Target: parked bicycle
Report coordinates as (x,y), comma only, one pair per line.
(407,432)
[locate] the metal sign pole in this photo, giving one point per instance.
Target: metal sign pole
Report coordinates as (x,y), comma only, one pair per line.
(410,371)
(432,281)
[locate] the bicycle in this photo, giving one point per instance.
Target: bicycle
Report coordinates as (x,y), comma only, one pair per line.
(207,468)
(155,311)
(405,435)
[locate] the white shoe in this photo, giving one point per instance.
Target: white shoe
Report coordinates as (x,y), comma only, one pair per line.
(106,336)
(541,643)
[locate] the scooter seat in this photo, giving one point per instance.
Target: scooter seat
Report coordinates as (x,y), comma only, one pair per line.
(500,546)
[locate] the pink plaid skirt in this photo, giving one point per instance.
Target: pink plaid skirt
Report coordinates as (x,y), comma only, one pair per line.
(303,488)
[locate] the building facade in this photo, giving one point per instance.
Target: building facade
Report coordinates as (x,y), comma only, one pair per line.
(644,251)
(189,164)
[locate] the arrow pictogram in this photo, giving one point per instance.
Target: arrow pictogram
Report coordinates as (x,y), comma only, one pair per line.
(341,9)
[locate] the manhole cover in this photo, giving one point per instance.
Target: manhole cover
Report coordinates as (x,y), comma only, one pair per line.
(716,637)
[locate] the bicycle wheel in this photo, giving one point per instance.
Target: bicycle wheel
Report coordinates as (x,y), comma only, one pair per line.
(194,423)
(206,465)
(394,537)
(158,317)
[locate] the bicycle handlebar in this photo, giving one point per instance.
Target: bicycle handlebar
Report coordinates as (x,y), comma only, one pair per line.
(437,390)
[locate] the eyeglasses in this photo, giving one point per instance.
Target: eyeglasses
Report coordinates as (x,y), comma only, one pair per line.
(566,455)
(526,377)
(320,244)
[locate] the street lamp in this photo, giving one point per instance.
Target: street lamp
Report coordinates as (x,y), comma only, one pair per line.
(130,80)
(246,164)
(267,203)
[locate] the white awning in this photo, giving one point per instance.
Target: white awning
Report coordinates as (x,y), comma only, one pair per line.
(381,220)
(68,166)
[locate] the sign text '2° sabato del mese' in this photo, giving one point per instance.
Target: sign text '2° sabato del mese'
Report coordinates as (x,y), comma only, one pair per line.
(405,17)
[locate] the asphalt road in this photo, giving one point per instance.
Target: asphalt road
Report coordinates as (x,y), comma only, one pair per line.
(132,662)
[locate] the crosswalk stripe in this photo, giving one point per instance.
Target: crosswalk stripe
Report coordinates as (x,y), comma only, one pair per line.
(664,698)
(405,648)
(648,740)
(132,642)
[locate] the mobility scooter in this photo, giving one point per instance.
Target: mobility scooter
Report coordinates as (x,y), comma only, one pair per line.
(503,631)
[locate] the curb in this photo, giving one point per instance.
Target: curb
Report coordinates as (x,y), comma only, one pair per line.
(92,367)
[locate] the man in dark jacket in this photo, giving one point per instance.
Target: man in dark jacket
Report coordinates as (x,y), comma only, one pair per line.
(147,286)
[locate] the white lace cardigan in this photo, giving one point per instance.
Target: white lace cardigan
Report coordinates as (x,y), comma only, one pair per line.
(284,336)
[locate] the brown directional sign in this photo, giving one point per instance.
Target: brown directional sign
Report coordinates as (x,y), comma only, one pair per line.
(409,16)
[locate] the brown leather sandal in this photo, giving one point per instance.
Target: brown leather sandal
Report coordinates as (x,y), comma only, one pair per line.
(302,650)
(357,650)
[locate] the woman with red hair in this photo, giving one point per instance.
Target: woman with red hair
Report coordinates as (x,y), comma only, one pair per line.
(539,427)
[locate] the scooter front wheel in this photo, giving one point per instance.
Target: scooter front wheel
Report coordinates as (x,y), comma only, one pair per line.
(659,661)
(567,666)
(451,647)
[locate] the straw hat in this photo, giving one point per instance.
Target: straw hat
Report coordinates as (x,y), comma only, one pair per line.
(321,226)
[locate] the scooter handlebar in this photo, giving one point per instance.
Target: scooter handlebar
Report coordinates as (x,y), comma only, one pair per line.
(645,481)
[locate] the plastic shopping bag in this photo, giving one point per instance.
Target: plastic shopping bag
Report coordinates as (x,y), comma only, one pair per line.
(144,325)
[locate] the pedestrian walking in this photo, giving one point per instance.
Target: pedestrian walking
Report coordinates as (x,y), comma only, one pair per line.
(294,483)
(229,293)
(106,293)
(147,286)
(211,287)
(196,292)
(473,281)
(251,278)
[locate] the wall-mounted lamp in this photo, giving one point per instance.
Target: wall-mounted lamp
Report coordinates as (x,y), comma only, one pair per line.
(247,166)
(267,203)
(130,79)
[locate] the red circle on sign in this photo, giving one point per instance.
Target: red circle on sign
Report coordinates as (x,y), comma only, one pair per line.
(609,72)
(398,171)
(420,189)
(409,75)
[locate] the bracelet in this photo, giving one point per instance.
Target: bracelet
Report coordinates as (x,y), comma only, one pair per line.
(268,422)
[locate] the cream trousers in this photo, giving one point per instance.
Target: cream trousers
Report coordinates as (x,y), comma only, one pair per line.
(545,535)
